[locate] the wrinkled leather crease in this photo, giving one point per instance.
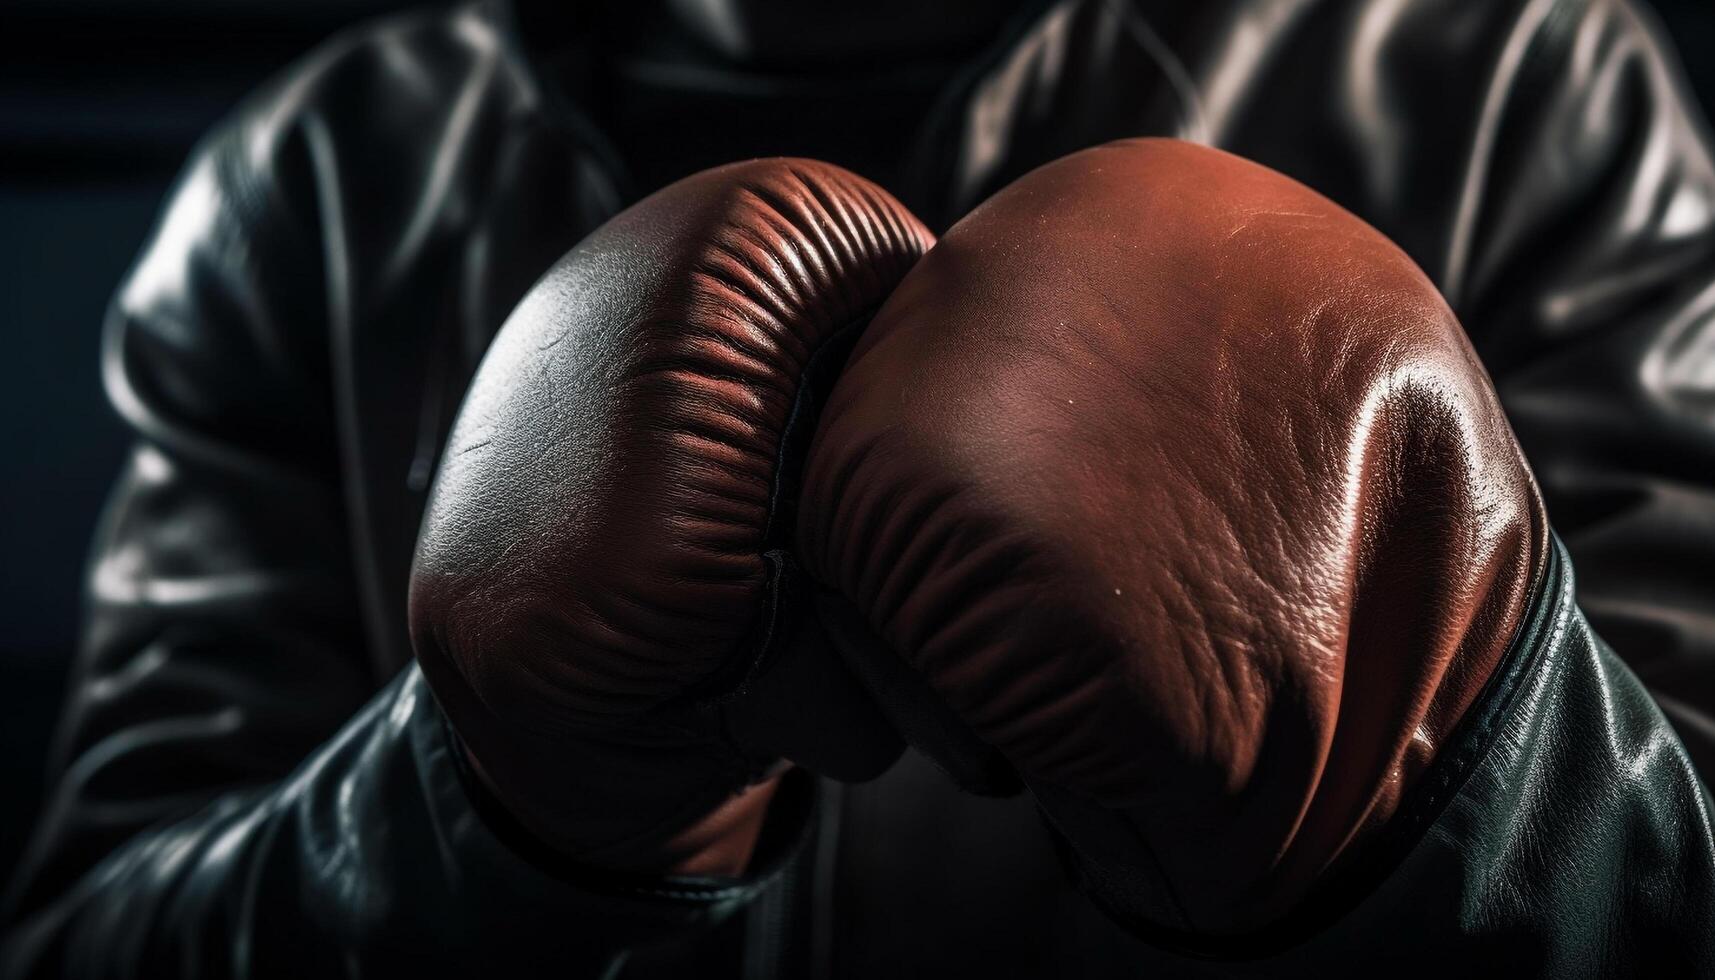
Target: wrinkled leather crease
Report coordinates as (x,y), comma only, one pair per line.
(600,564)
(1357,878)
(1185,491)
(1491,883)
(786,590)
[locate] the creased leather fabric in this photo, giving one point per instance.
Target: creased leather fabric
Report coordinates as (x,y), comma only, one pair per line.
(1508,865)
(600,596)
(1541,161)
(292,345)
(1183,489)
(370,842)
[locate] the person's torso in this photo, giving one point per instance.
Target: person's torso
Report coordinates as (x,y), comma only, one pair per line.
(453,173)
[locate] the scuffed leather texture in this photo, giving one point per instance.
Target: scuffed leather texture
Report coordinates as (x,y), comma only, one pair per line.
(293,343)
(1573,840)
(604,541)
(1184,490)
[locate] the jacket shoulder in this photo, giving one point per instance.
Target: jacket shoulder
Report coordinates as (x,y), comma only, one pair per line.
(377,99)
(283,206)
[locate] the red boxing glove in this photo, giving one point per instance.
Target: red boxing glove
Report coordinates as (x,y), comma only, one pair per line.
(1182,488)
(603,561)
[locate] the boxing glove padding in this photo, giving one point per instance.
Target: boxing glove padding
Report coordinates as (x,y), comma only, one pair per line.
(604,543)
(1184,490)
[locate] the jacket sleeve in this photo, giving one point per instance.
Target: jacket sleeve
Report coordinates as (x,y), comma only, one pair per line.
(231,797)
(1584,267)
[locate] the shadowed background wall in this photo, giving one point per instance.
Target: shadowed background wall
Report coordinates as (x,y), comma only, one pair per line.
(100,100)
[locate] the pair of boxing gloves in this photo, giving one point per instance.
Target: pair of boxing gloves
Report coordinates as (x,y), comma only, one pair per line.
(1160,486)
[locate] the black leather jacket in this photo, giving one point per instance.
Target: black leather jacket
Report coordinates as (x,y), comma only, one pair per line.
(253,780)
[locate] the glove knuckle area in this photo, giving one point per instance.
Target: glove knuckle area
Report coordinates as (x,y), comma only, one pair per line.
(611,484)
(1183,487)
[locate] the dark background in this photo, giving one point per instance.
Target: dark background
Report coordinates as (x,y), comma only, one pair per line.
(100,100)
